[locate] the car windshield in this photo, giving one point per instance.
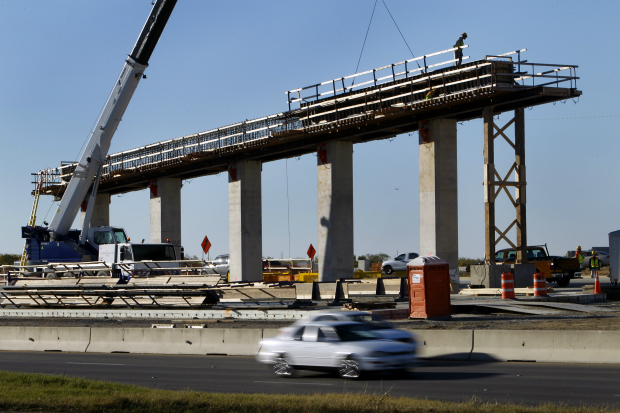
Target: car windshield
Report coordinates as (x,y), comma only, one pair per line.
(119,234)
(400,257)
(355,332)
(156,252)
(367,318)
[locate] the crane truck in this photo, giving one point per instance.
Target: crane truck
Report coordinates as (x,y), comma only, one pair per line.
(59,243)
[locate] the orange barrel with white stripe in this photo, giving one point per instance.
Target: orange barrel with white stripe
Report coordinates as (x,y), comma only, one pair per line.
(508,285)
(540,284)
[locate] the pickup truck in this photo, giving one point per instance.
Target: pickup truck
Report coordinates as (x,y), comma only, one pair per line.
(556,269)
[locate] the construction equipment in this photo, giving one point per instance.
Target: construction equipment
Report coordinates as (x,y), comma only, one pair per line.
(33,214)
(57,243)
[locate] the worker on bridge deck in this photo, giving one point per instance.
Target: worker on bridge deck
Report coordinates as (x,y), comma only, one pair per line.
(431,94)
(458,53)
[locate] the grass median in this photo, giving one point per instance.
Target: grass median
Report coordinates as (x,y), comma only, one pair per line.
(23,392)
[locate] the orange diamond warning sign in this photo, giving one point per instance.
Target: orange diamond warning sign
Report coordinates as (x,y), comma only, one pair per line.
(311,252)
(205,244)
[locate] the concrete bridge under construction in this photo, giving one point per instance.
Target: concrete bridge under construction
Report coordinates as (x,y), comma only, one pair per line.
(429,94)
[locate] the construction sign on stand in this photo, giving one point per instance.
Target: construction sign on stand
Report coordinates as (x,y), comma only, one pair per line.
(205,244)
(311,252)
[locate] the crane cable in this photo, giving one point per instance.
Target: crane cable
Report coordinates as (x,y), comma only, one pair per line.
(363,45)
(401,33)
(368,30)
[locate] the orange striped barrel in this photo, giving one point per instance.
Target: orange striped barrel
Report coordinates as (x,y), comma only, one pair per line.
(508,285)
(540,284)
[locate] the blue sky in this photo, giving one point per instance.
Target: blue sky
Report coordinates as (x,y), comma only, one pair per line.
(219,63)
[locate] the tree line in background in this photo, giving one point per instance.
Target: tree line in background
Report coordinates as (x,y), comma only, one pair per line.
(9,259)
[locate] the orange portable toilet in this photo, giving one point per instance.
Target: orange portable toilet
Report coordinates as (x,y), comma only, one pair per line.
(429,287)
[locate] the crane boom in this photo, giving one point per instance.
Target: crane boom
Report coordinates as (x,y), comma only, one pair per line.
(99,142)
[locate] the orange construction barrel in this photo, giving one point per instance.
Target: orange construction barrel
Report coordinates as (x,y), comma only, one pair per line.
(508,285)
(429,287)
(540,284)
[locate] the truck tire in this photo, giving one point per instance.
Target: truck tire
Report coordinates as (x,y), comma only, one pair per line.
(563,282)
(388,269)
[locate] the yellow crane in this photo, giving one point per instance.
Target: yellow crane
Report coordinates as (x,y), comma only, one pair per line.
(33,215)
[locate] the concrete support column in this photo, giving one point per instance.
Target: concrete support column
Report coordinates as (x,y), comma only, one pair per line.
(335,204)
(489,190)
(166,211)
(520,198)
(245,223)
(101,211)
(439,192)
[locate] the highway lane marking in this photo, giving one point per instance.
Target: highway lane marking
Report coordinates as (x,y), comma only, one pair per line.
(282,382)
(99,364)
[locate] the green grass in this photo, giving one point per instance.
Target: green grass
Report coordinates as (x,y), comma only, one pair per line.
(22,392)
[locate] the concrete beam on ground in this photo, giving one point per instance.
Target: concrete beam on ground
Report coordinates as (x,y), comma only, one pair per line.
(335,207)
(165,196)
(439,191)
(101,211)
(245,223)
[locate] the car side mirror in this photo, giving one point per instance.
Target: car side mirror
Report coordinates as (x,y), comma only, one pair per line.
(122,255)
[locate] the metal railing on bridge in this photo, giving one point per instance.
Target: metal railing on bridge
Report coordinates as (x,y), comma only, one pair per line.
(398,85)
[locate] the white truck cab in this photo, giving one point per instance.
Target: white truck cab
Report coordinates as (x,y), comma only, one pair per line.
(114,248)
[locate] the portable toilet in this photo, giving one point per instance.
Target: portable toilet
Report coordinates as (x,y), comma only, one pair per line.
(429,287)
(614,256)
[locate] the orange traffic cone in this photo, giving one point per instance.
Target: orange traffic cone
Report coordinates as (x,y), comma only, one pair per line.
(597,285)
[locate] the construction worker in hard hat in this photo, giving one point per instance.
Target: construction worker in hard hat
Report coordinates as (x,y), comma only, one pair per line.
(458,53)
(431,93)
(595,265)
(579,256)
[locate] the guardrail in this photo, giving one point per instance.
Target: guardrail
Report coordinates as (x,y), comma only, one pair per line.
(376,77)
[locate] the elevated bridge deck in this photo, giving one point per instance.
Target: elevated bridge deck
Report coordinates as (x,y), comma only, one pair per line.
(391,100)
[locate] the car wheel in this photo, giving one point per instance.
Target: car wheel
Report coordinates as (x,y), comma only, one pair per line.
(349,369)
(388,270)
(283,367)
(563,282)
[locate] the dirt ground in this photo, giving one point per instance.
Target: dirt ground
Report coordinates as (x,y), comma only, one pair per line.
(477,319)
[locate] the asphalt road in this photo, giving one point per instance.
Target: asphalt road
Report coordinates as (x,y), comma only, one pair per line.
(528,383)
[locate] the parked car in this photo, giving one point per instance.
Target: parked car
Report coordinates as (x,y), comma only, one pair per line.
(603,257)
(350,349)
(221,265)
(382,328)
(399,263)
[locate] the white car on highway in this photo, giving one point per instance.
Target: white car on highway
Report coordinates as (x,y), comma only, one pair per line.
(381,328)
(350,349)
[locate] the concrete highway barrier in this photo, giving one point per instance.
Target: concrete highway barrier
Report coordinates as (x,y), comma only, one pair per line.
(563,346)
(555,346)
(225,341)
(445,344)
(73,339)
(512,345)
